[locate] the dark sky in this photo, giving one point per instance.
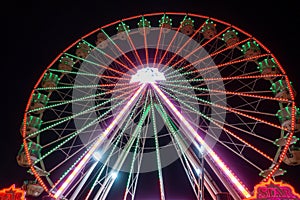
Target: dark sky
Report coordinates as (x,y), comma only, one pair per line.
(35,32)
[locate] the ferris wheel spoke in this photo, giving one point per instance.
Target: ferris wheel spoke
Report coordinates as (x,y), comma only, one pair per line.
(213,155)
(75,133)
(129,184)
(98,142)
(159,39)
(90,74)
(118,48)
(170,44)
(193,51)
(221,126)
(68,157)
(233,110)
(97,64)
(73,72)
(217,66)
(212,54)
(66,119)
(233,93)
(110,57)
(239,153)
(106,148)
(231,133)
(189,163)
(67,87)
(144,28)
(240,77)
(53,104)
(80,86)
(103,192)
(181,48)
(137,56)
(158,160)
(256,98)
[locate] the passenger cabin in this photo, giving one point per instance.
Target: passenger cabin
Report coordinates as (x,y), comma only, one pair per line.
(268,67)
(50,81)
(284,116)
(281,89)
(34,150)
(187,26)
(83,50)
(209,30)
(251,49)
(166,24)
(144,26)
(32,188)
(101,41)
(38,102)
(122,30)
(292,157)
(33,124)
(66,64)
(231,37)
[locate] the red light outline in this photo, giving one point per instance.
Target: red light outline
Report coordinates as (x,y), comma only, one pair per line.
(14,189)
(269,182)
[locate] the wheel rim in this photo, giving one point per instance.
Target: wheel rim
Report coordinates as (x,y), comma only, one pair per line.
(231,94)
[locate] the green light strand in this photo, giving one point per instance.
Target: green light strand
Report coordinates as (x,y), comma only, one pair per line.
(68,87)
(182,74)
(96,64)
(108,37)
(162,192)
(114,146)
(190,87)
(121,159)
(78,131)
(71,117)
(82,59)
(75,100)
(172,127)
(188,106)
(125,28)
(139,126)
(73,165)
(105,54)
(73,72)
(185,80)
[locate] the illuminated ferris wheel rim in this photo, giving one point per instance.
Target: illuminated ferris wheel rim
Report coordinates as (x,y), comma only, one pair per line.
(158,14)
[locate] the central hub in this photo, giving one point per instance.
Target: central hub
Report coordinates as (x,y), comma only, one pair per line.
(147,75)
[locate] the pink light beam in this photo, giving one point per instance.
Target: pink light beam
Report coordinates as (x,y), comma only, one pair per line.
(239,185)
(98,142)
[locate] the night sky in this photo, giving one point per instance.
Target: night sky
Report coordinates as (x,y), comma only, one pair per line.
(35,32)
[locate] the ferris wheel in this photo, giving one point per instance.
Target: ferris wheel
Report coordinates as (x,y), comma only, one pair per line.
(169,103)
